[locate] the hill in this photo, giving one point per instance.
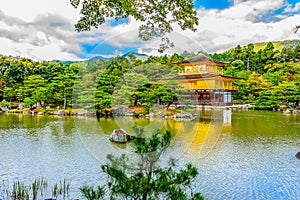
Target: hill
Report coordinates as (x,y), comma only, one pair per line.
(96,58)
(278,45)
(139,56)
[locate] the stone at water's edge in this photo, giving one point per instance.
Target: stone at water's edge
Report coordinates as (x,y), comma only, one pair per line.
(298,155)
(296,112)
(60,112)
(287,111)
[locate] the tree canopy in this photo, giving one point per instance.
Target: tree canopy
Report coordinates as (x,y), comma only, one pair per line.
(271,76)
(157,17)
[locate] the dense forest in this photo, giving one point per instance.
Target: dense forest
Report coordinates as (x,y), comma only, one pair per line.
(271,76)
(89,85)
(271,79)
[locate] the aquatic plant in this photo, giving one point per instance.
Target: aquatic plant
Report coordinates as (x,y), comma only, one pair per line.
(38,190)
(19,191)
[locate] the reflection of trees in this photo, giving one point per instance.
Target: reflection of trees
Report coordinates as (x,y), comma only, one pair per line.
(34,123)
(9,121)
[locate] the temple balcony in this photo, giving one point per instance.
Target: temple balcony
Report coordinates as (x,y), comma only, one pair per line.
(197,71)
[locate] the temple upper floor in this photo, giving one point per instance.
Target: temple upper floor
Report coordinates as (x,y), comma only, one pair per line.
(201,64)
(201,69)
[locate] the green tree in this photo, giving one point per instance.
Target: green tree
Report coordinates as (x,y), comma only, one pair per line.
(145,179)
(35,88)
(84,92)
(105,87)
(274,77)
(155,71)
(267,100)
(2,86)
(63,84)
(9,94)
(287,54)
(127,86)
(296,53)
(156,17)
(289,93)
(20,93)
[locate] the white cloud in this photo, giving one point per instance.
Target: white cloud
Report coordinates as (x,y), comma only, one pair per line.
(220,30)
(251,10)
(125,34)
(38,29)
(290,8)
(44,29)
(28,10)
(42,38)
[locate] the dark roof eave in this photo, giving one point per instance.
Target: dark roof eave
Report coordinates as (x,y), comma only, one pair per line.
(194,76)
(233,77)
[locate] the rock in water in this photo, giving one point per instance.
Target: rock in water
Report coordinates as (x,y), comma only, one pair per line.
(59,112)
(298,155)
(120,136)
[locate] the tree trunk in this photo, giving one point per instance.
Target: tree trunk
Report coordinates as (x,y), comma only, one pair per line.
(145,196)
(65,99)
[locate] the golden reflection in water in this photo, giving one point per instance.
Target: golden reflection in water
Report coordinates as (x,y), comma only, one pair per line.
(209,134)
(195,139)
(191,139)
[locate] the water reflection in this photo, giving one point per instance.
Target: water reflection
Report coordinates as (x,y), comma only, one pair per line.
(191,139)
(240,154)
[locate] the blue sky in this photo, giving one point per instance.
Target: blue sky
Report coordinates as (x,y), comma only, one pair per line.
(44,30)
(211,4)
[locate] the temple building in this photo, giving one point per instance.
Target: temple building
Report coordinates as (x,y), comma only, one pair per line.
(203,80)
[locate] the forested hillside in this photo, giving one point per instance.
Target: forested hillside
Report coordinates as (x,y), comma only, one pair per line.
(271,79)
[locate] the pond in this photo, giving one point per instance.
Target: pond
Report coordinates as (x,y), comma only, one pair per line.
(239,154)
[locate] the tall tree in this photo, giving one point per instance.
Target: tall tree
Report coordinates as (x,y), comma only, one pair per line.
(142,178)
(35,88)
(157,17)
(297,52)
(63,83)
(2,86)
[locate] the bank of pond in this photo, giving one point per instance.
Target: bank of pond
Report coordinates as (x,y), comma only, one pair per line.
(183,112)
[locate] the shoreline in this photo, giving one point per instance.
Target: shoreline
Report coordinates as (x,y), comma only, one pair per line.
(137,112)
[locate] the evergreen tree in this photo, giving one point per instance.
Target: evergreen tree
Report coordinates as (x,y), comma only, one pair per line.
(145,179)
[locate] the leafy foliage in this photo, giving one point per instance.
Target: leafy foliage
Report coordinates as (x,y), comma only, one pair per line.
(92,194)
(101,85)
(157,17)
(270,76)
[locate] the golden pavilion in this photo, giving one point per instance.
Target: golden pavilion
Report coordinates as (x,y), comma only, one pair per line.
(203,80)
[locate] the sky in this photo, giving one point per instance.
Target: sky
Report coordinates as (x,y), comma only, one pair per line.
(44,29)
